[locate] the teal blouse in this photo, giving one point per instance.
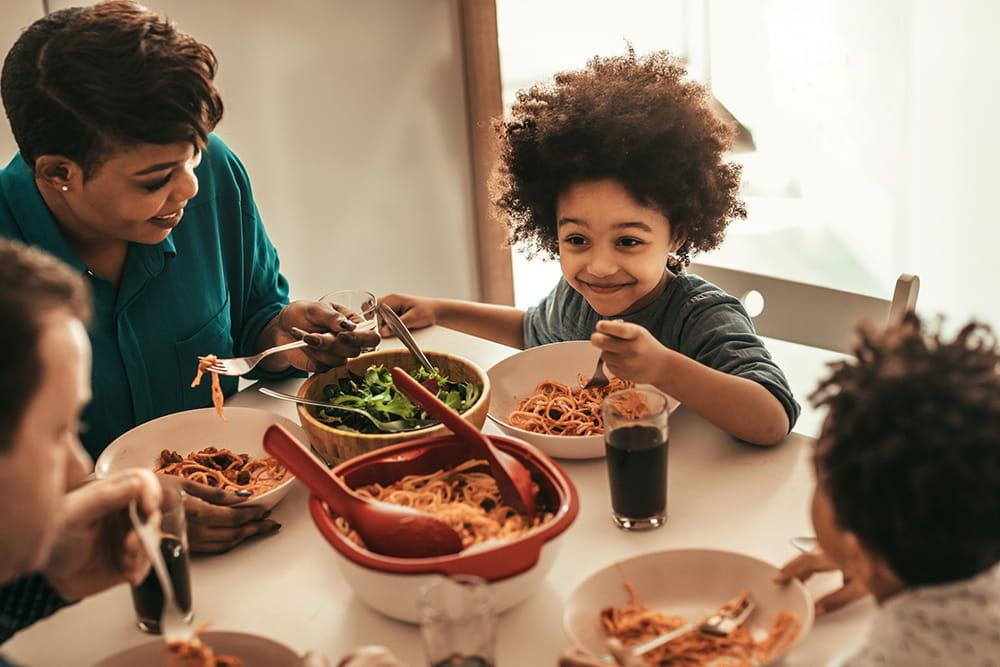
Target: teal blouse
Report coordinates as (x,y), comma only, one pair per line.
(208,288)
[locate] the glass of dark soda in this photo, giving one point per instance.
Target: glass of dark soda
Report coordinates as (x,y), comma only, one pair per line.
(458,621)
(635,441)
(147,597)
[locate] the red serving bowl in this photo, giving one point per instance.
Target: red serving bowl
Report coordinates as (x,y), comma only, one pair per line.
(516,567)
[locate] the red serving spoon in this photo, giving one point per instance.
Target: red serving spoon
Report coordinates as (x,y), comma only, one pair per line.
(514,480)
(387,529)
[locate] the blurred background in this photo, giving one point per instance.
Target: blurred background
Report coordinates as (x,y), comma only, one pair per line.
(869,146)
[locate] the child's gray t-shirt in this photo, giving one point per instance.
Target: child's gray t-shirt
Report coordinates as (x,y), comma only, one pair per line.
(692,316)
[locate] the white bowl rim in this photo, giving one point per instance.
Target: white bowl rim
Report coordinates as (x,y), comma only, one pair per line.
(531,434)
(807,620)
(101,472)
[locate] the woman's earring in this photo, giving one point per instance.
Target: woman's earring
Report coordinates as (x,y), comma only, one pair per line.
(64,188)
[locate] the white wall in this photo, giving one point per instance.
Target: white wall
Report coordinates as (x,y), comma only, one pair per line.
(350,118)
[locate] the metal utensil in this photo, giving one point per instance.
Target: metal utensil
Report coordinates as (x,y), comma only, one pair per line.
(804,544)
(387,529)
(514,480)
(243,365)
(598,379)
(719,624)
(395,426)
(172,623)
(398,328)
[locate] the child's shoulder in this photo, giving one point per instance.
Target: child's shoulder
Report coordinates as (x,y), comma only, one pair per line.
(693,291)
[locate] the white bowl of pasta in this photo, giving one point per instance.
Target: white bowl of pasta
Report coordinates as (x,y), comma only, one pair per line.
(648,595)
(239,461)
(538,396)
(512,552)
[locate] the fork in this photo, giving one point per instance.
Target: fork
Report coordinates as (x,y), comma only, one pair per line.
(719,624)
(598,379)
(243,365)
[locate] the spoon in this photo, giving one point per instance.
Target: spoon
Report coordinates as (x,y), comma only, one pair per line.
(387,529)
(395,426)
(514,480)
(172,623)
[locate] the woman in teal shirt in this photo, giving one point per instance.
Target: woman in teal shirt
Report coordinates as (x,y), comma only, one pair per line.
(118,175)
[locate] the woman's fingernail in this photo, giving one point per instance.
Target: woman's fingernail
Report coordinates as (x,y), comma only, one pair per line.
(275,527)
(297,333)
(313,340)
(244,493)
(347,324)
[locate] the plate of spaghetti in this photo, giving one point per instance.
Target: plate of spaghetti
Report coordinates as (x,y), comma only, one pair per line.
(539,396)
(224,469)
(208,649)
(197,445)
(643,597)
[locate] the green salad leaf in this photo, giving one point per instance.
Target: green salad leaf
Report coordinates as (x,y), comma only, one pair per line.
(375,393)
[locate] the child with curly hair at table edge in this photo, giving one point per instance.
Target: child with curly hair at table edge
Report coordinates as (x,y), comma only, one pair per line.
(617,169)
(907,498)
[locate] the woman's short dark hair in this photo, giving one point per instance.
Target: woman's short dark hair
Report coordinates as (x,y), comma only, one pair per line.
(910,450)
(33,284)
(639,121)
(86,80)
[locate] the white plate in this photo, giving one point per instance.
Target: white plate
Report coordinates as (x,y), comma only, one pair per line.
(192,430)
(687,582)
(516,377)
(254,651)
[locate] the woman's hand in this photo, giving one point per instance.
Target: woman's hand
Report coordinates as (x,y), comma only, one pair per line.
(96,548)
(577,657)
(416,312)
(804,566)
(328,330)
(630,351)
(216,528)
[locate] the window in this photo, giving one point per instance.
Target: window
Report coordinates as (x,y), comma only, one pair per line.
(873,124)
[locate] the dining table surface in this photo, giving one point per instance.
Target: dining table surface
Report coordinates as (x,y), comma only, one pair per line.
(722,494)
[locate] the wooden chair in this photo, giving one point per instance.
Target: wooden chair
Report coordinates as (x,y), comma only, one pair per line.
(809,314)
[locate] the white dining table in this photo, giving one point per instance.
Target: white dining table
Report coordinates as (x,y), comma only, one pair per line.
(722,494)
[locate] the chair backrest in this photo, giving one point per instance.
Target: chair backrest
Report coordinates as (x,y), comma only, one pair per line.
(809,314)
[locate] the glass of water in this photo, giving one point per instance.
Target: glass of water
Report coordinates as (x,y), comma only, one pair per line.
(358,306)
(458,621)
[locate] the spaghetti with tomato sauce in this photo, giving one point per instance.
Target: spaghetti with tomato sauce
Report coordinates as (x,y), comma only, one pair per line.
(465,497)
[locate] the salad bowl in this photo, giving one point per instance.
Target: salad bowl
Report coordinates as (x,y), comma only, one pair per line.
(361,383)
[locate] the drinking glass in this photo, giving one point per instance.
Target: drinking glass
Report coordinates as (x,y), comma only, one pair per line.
(458,621)
(636,442)
(359,306)
(147,597)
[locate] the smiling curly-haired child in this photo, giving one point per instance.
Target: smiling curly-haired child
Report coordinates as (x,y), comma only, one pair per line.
(618,170)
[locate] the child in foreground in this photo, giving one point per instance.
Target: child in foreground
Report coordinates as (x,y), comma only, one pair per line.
(618,170)
(907,499)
